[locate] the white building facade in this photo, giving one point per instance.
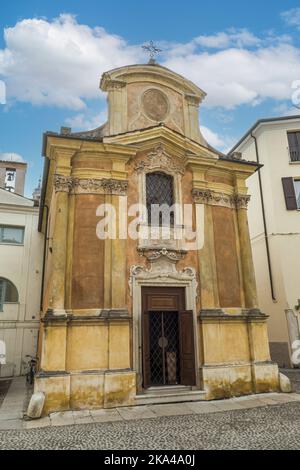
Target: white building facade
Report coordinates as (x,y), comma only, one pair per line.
(21,255)
(274,222)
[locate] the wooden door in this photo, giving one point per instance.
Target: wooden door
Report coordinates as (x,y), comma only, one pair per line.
(187,348)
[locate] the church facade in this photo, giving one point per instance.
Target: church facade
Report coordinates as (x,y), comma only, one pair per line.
(136,310)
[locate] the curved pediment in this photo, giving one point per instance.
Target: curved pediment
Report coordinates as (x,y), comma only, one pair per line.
(150,72)
(142,96)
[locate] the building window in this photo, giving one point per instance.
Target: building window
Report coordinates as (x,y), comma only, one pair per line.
(159,198)
(297,192)
(10,179)
(294,146)
(10,234)
(8,292)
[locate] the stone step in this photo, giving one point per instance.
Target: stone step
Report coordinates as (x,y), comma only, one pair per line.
(169,397)
(166,389)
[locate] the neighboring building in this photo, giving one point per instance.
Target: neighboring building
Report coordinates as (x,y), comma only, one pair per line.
(12,173)
(274,220)
(125,319)
(21,254)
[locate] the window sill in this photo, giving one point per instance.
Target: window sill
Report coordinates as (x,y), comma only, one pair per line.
(11,244)
(294,163)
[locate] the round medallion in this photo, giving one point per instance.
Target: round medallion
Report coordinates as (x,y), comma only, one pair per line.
(155,104)
(163,342)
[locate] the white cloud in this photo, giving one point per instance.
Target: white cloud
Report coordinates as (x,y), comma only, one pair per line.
(232,77)
(59,63)
(83,121)
(219,142)
(230,38)
(292,17)
(284,109)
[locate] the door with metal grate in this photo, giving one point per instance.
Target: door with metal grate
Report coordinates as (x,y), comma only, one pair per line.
(164,356)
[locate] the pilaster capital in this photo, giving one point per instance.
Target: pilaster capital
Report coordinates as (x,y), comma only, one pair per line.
(62,183)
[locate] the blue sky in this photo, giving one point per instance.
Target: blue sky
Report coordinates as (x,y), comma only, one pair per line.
(245,55)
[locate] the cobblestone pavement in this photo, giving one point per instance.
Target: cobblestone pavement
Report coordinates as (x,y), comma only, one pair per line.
(269,427)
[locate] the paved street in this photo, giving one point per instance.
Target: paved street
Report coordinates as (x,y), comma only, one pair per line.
(263,421)
(270,427)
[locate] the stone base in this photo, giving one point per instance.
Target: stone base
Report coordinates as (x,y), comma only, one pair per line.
(86,390)
(225,381)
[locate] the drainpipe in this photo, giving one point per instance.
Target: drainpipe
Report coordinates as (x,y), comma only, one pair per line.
(264,222)
(44,258)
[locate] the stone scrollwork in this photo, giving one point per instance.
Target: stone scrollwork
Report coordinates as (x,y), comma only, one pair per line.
(159,158)
(155,254)
(241,200)
(163,272)
(62,183)
(89,185)
(214,198)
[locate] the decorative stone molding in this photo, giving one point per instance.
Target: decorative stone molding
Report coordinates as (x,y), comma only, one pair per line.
(114,85)
(192,99)
(85,186)
(153,255)
(233,201)
(101,186)
(163,271)
(160,159)
(62,183)
(218,314)
(241,200)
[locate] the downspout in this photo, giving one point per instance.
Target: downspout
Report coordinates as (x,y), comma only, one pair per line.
(264,222)
(44,258)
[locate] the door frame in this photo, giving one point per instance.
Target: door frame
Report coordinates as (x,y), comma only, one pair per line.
(140,278)
(179,300)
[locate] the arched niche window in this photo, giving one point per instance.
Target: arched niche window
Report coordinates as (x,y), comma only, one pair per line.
(159,198)
(8,292)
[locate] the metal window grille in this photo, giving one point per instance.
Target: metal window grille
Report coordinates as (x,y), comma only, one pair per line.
(159,196)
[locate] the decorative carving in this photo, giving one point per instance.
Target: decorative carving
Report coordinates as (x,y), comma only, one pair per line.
(160,159)
(102,186)
(233,201)
(192,99)
(153,255)
(62,183)
(163,271)
(79,186)
(115,85)
(241,200)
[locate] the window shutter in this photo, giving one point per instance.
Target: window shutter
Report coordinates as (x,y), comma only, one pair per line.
(146,350)
(289,193)
(187,349)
